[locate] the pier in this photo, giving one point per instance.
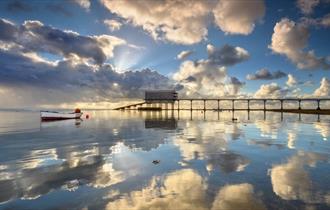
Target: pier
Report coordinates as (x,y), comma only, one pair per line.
(204,105)
(168,100)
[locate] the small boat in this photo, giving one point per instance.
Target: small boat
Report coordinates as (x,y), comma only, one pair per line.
(51,115)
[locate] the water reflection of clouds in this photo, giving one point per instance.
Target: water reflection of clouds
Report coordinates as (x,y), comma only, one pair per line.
(268,129)
(40,158)
(116,154)
(209,141)
(227,162)
(35,178)
(291,181)
(186,189)
(237,196)
(85,159)
(323,128)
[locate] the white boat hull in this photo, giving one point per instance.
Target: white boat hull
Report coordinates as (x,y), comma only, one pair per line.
(59,115)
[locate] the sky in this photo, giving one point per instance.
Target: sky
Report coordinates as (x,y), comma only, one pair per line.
(96,53)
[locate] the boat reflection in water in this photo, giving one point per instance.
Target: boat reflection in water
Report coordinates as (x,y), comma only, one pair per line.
(206,162)
(61,123)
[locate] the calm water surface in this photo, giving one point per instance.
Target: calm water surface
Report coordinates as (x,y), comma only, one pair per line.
(206,161)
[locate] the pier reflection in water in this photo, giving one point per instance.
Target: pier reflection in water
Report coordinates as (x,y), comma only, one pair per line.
(207,161)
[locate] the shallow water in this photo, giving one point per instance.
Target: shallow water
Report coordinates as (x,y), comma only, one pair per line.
(207,161)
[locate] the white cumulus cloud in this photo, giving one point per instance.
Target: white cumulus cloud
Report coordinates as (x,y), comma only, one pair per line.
(186,22)
(272,90)
(291,80)
(290,39)
(209,76)
(238,17)
(183,22)
(324,89)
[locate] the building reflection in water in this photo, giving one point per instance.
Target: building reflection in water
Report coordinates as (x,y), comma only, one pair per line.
(160,120)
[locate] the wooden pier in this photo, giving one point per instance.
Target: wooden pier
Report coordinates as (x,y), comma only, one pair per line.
(264,102)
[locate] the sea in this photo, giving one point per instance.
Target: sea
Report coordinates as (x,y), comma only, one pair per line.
(165,160)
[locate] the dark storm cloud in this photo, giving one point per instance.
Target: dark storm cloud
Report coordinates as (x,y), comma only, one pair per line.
(227,55)
(18,6)
(36,37)
(264,74)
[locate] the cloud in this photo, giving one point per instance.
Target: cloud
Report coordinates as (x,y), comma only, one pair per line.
(322,21)
(235,85)
(265,74)
(80,74)
(271,90)
(227,55)
(36,37)
(184,54)
(29,81)
(8,30)
(83,3)
(325,21)
(186,22)
(290,39)
(209,76)
(324,89)
(307,6)
(291,80)
(238,17)
(164,20)
(113,25)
